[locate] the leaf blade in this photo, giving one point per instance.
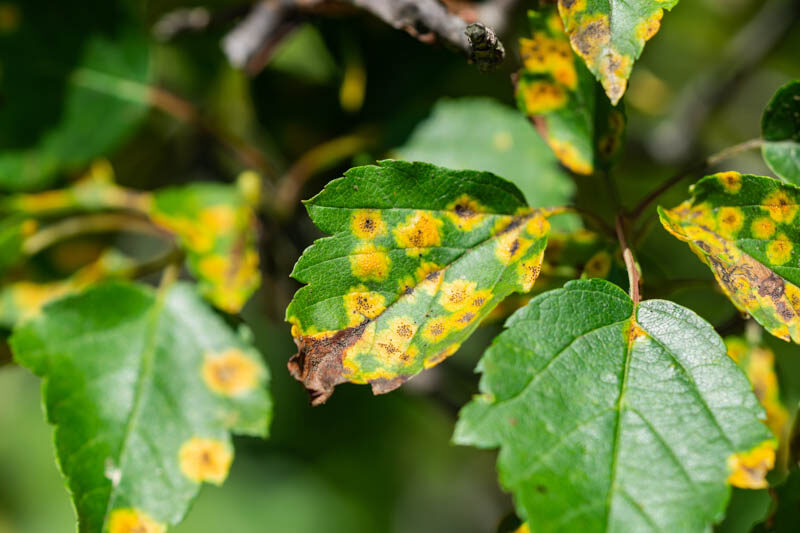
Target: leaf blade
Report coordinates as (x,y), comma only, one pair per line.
(780,129)
(573,393)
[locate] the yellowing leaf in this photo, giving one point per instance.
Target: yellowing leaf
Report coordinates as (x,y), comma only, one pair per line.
(418,257)
(745,228)
(610,35)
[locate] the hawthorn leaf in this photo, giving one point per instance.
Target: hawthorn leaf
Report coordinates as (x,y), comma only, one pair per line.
(418,256)
(611,417)
(758,364)
(503,143)
(217,228)
(75,94)
(745,229)
(780,129)
(609,36)
(564,101)
(144,390)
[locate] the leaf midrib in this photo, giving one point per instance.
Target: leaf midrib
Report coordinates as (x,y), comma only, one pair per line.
(142,382)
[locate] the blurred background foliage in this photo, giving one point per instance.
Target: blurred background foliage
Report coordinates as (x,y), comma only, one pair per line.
(101,79)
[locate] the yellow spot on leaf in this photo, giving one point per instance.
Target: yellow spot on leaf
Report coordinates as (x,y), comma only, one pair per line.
(511,246)
(599,265)
(763,228)
(367,224)
(543,97)
(502,141)
(529,271)
(466,213)
(729,221)
(545,55)
(780,207)
(249,185)
(779,251)
(436,330)
(218,219)
(456,294)
(731,181)
(133,521)
(524,528)
(420,232)
(537,226)
(361,304)
(370,263)
(204,459)
(749,469)
(569,156)
(230,373)
(646,29)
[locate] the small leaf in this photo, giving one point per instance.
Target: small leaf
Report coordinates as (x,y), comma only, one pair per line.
(615,418)
(745,229)
(564,101)
(418,257)
(758,364)
(483,134)
(76,94)
(610,36)
(218,228)
(780,128)
(144,391)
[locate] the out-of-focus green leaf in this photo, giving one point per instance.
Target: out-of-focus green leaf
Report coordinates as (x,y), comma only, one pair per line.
(218,229)
(305,55)
(610,36)
(144,390)
(69,95)
(780,129)
(745,229)
(13,231)
(483,134)
(564,101)
(419,255)
(785,513)
(758,364)
(616,418)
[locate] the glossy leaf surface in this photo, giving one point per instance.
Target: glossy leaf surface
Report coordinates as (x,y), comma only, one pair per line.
(611,418)
(745,229)
(780,129)
(609,36)
(564,101)
(144,391)
(419,255)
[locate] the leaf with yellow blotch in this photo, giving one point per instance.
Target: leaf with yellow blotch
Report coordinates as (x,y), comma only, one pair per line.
(21,300)
(564,101)
(218,228)
(613,417)
(758,364)
(609,36)
(144,390)
(745,229)
(419,256)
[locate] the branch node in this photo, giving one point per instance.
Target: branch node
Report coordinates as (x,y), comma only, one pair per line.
(487,51)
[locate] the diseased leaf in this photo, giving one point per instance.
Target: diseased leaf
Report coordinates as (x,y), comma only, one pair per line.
(483,134)
(780,129)
(76,94)
(745,229)
(215,224)
(144,391)
(564,101)
(609,36)
(218,229)
(615,418)
(758,364)
(419,256)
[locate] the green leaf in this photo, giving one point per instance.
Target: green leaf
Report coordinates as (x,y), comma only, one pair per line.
(610,36)
(564,101)
(745,229)
(419,255)
(780,129)
(218,228)
(76,94)
(758,364)
(615,418)
(144,390)
(483,134)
